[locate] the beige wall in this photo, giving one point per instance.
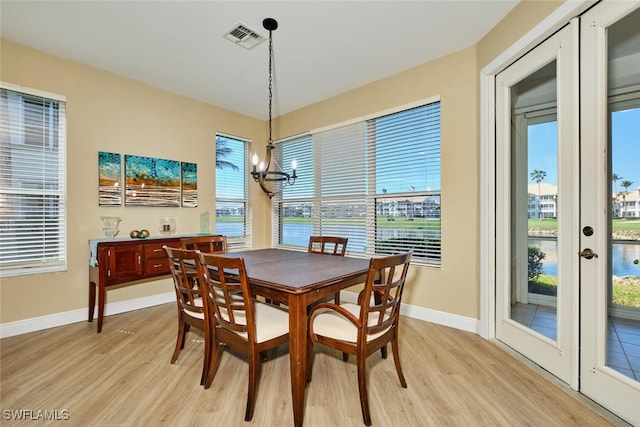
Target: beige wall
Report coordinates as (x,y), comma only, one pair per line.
(109,113)
(522,18)
(106,112)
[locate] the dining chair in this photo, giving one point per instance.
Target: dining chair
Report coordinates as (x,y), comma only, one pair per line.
(240,321)
(189,297)
(328,245)
(210,244)
(363,328)
(333,245)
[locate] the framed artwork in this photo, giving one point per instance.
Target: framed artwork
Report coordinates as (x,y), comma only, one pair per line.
(109,179)
(189,185)
(151,181)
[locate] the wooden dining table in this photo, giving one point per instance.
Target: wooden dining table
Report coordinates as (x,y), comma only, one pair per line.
(299,279)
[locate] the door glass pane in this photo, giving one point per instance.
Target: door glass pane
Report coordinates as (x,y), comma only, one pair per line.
(623,339)
(534,198)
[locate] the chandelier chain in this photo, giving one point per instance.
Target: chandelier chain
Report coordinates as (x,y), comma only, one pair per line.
(270,83)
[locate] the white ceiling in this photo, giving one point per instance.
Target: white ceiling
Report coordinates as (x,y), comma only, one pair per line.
(321,48)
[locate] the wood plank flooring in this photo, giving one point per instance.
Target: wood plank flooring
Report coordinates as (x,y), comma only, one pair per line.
(122,377)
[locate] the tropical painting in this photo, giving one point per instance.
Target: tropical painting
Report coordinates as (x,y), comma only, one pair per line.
(109,179)
(151,181)
(189,185)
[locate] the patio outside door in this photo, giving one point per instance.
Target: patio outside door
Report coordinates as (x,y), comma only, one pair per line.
(537,205)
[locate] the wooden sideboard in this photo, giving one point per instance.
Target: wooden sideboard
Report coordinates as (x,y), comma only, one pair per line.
(116,262)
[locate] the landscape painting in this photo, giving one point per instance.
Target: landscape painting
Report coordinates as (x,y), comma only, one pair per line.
(109,179)
(189,185)
(151,181)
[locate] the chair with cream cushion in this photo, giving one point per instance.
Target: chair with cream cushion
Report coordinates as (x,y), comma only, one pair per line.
(241,322)
(363,328)
(189,297)
(328,245)
(209,244)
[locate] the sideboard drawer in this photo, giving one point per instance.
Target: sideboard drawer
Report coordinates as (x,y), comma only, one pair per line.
(157,266)
(154,250)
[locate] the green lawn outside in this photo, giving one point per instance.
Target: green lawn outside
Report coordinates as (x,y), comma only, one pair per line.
(624,294)
(382,220)
(619,224)
(230,218)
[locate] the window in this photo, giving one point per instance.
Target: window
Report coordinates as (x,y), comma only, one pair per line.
(233,213)
(375,181)
(32,182)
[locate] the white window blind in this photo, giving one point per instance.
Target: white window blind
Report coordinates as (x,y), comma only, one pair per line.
(342,203)
(293,208)
(406,157)
(376,182)
(233,210)
(32,183)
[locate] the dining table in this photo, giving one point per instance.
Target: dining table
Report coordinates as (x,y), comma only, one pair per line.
(299,279)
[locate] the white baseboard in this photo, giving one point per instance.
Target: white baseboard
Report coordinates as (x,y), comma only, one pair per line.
(440,317)
(59,319)
(65,318)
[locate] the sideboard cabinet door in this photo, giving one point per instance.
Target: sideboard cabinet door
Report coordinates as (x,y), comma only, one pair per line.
(124,262)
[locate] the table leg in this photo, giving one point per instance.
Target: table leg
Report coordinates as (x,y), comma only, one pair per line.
(298,354)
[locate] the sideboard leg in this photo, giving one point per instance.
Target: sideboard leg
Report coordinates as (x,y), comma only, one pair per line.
(92,300)
(101,300)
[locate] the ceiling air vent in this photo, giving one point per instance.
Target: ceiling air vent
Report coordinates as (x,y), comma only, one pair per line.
(244,36)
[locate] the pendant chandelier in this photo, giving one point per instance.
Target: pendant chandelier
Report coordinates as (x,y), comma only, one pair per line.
(271,178)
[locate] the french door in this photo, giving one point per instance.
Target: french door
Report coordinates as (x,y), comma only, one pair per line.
(537,168)
(568,131)
(610,156)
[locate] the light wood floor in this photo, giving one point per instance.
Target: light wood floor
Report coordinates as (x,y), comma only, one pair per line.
(122,377)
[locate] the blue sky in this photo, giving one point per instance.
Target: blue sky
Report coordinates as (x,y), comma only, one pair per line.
(543,150)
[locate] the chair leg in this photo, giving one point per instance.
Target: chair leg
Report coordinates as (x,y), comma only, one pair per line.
(396,360)
(309,359)
(254,368)
(362,387)
(213,363)
(336,298)
(207,358)
(180,340)
(383,351)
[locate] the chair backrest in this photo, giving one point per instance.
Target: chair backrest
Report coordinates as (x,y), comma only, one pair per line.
(210,244)
(183,264)
(228,293)
(332,245)
(381,297)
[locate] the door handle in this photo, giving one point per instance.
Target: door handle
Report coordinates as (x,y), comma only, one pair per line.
(588,254)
